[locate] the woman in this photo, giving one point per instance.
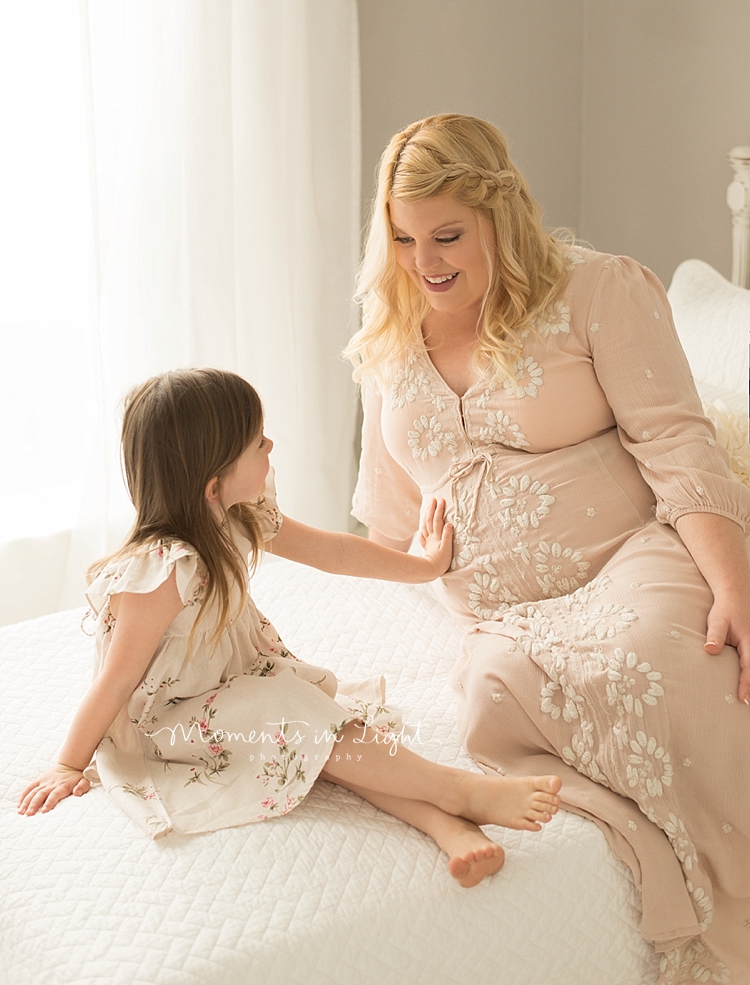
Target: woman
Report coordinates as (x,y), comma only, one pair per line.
(599,554)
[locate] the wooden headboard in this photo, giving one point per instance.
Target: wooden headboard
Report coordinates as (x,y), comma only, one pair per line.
(738,200)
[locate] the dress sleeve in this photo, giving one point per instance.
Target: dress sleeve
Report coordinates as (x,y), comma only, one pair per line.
(645,375)
(267,509)
(386,497)
(143,572)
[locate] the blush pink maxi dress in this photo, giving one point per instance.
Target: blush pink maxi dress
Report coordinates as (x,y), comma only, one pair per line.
(585,613)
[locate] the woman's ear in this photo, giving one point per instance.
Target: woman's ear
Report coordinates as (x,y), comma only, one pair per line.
(212,491)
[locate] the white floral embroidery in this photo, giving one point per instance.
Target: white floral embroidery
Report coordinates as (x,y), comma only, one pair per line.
(553,321)
(590,511)
(528,378)
(729,698)
(466,543)
(428,438)
(574,259)
(726,828)
(407,385)
(484,397)
(649,375)
(497,697)
(649,766)
(620,690)
(657,316)
(682,844)
(686,762)
(488,597)
(594,327)
(646,435)
(561,569)
(500,429)
(525,502)
(632,825)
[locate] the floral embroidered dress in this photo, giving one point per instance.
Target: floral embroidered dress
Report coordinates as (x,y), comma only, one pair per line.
(586,613)
(213,738)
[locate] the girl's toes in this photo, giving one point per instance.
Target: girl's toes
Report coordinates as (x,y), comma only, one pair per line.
(458,866)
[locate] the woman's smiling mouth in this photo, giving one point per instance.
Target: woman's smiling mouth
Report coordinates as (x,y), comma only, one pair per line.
(440,283)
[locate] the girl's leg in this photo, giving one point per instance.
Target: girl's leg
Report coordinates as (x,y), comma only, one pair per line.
(472,854)
(363,757)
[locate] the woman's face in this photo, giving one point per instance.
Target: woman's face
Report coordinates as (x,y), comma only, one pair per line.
(437,243)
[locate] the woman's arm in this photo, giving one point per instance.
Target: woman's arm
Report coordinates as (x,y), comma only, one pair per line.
(346,554)
(717,545)
(141,623)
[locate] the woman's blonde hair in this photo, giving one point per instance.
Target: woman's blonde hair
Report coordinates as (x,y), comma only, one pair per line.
(468,158)
(180,430)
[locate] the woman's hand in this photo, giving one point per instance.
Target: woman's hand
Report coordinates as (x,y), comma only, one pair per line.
(717,545)
(729,625)
(54,785)
(436,536)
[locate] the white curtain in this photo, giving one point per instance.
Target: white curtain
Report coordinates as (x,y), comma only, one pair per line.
(223,149)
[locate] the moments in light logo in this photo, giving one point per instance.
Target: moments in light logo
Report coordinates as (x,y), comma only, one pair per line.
(279,734)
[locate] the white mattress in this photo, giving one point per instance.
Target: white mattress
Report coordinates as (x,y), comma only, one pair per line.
(336,892)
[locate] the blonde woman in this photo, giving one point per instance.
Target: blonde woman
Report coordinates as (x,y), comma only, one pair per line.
(599,556)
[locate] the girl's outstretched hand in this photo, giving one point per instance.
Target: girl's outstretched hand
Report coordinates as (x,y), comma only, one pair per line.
(436,536)
(54,785)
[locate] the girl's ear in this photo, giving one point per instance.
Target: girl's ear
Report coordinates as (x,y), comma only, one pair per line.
(212,491)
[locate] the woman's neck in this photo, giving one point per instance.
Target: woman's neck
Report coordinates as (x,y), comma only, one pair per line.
(450,340)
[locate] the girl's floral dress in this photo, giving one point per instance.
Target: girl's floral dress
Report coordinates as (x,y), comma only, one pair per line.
(216,737)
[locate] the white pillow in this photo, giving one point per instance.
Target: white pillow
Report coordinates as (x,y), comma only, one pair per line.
(712,318)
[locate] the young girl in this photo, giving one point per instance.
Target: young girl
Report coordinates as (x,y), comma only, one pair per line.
(199,716)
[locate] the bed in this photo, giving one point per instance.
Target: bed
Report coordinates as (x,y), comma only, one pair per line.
(335,892)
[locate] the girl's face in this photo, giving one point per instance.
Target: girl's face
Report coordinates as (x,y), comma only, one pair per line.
(437,242)
(246,479)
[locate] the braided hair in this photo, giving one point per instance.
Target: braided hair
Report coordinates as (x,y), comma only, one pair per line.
(467,158)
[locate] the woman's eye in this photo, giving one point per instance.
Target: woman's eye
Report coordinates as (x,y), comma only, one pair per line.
(403,240)
(448,239)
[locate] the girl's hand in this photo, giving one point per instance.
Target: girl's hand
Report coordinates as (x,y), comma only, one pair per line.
(54,785)
(436,536)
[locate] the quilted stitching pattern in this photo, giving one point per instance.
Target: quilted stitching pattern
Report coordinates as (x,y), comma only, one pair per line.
(334,893)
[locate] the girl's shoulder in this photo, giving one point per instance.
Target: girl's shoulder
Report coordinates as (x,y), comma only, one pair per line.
(146,567)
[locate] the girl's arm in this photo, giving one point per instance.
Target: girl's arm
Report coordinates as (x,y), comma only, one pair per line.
(717,545)
(346,554)
(395,545)
(141,623)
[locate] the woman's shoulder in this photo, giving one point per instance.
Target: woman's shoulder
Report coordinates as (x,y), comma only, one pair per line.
(144,567)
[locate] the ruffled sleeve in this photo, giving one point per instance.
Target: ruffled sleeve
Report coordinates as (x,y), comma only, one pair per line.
(386,497)
(645,375)
(268,512)
(143,572)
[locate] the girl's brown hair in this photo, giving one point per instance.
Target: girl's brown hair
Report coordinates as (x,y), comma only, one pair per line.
(468,158)
(180,430)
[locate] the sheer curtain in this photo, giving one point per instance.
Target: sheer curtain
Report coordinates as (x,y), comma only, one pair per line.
(223,168)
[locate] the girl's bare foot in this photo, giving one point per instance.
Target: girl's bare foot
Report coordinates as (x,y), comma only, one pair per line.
(472,855)
(525,803)
(471,867)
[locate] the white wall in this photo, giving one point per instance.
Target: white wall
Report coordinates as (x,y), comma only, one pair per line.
(666,95)
(620,112)
(420,57)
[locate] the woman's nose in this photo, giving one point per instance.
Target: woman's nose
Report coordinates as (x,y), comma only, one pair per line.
(426,256)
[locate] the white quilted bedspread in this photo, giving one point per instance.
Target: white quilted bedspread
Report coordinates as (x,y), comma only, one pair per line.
(336,892)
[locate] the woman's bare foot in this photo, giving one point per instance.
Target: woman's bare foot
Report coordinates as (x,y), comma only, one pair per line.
(525,803)
(472,855)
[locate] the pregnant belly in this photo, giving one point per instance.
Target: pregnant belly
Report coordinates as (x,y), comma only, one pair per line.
(538,526)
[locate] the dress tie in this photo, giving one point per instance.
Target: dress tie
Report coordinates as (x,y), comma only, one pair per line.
(483,459)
